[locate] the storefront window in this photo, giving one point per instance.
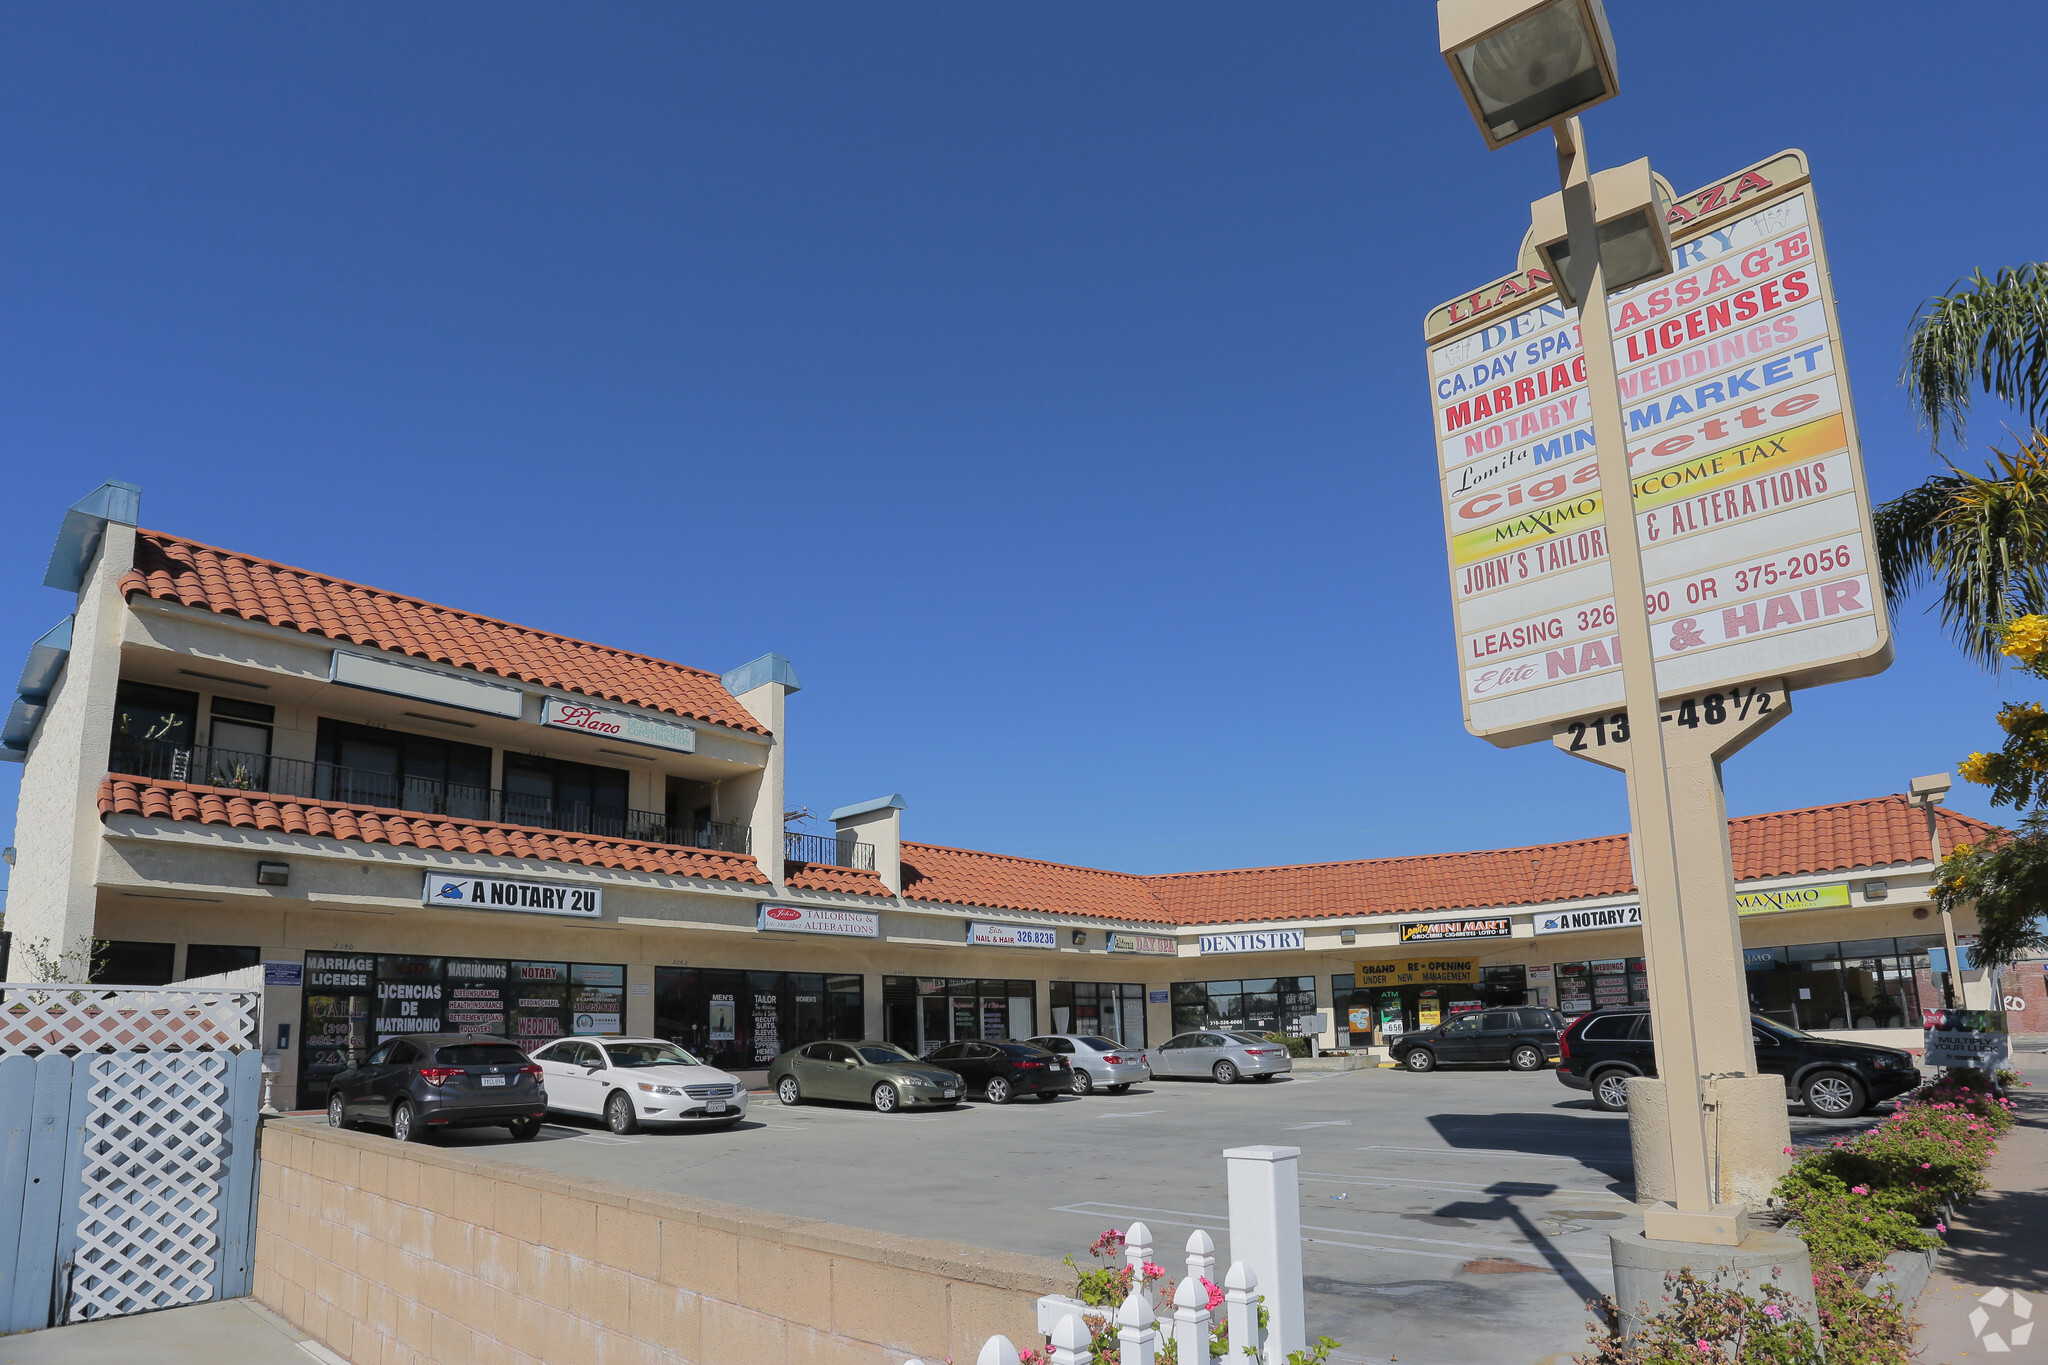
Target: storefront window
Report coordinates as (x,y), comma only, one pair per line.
(1260,1005)
(335,1022)
(920,1013)
(477,996)
(744,1020)
(539,997)
(1114,1010)
(1866,984)
(409,995)
(597,998)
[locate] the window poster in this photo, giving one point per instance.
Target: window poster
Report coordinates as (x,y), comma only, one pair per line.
(993,1019)
(1574,988)
(721,1019)
(1610,982)
(1393,1023)
(1429,1010)
(476,997)
(767,1031)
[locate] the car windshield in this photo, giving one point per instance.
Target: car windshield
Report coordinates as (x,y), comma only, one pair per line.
(1019,1050)
(1101,1044)
(649,1054)
(1799,1035)
(883,1053)
(1254,1039)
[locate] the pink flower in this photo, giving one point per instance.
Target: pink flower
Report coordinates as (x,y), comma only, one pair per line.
(1788,1151)
(1704,1349)
(1859,1189)
(1771,1310)
(1215,1294)
(1940,1227)
(1926,1165)
(1154,1272)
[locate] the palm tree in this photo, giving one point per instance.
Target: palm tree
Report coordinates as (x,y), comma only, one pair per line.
(1981,539)
(1989,333)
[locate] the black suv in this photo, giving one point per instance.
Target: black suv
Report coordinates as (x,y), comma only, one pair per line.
(1521,1038)
(1833,1079)
(425,1082)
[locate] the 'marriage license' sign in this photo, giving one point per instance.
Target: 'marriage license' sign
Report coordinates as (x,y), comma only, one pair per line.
(1747,484)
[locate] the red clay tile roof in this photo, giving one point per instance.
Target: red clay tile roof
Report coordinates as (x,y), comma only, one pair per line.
(822,877)
(170,569)
(959,876)
(1878,832)
(372,825)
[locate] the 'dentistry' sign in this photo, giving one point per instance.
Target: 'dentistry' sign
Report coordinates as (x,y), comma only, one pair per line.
(492,893)
(1262,941)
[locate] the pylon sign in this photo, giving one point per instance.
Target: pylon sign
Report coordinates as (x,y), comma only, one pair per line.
(1748,487)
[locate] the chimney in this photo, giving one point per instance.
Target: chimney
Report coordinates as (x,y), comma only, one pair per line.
(878,822)
(762,687)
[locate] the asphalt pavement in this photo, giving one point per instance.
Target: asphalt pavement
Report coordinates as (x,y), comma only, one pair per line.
(1455,1216)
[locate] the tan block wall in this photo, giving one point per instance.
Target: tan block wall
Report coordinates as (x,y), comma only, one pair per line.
(392,1255)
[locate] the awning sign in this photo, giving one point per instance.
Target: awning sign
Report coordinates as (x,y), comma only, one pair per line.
(1792,898)
(1578,921)
(1419,971)
(1157,945)
(1262,941)
(1011,935)
(492,893)
(1457,928)
(606,723)
(809,919)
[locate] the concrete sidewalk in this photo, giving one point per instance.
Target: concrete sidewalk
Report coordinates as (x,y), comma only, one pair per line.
(1997,1258)
(230,1332)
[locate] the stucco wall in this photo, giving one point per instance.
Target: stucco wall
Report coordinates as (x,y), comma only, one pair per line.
(389,1253)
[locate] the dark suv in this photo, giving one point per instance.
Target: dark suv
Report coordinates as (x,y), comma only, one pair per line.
(1521,1038)
(1833,1079)
(429,1081)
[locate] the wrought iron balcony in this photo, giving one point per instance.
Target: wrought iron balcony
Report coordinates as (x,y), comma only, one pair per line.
(831,850)
(292,777)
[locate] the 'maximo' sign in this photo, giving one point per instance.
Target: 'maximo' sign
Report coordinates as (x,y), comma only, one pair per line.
(1745,469)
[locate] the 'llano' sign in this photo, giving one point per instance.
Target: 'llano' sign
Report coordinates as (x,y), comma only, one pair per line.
(1747,477)
(606,723)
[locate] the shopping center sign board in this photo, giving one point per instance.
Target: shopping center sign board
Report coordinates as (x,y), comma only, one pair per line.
(1748,487)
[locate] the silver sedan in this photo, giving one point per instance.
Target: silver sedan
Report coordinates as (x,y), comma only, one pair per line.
(1097,1061)
(1222,1056)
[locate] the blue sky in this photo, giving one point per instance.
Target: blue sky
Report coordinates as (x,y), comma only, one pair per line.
(1045,381)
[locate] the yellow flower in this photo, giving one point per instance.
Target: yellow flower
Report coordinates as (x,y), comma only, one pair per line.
(2019,716)
(1976,768)
(2024,638)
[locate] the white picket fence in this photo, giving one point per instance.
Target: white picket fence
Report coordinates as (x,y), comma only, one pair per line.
(1264,1187)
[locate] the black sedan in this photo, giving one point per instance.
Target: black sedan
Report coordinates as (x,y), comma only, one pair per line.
(1000,1071)
(423,1083)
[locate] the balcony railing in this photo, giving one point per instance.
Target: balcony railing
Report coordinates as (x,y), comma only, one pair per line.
(832,850)
(294,777)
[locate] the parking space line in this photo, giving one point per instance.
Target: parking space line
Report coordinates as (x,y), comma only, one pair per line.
(1127,1113)
(1447,1186)
(1491,1152)
(1090,1208)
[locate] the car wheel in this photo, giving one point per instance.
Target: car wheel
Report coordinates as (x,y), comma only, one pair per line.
(619,1115)
(1832,1095)
(1225,1073)
(1117,1089)
(1419,1059)
(1610,1092)
(885,1098)
(1083,1082)
(334,1112)
(998,1090)
(1526,1058)
(787,1092)
(405,1124)
(524,1130)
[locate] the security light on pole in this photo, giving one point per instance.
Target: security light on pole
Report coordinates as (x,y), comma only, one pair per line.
(1524,66)
(1629,208)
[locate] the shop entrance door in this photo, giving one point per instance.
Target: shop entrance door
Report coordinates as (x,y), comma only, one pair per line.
(932,1025)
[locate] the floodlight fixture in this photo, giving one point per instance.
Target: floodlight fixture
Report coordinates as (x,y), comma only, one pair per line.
(1525,66)
(1629,207)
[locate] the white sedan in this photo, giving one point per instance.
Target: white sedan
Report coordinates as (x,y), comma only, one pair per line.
(631,1081)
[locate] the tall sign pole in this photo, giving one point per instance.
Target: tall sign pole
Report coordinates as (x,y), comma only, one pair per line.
(1657,528)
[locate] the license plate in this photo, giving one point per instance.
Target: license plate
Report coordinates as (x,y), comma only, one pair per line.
(492,1080)
(952,1094)
(715,1107)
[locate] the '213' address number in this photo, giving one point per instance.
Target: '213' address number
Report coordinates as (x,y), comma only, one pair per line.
(1715,708)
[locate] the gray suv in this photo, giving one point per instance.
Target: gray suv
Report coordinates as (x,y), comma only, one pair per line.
(425,1082)
(1097,1061)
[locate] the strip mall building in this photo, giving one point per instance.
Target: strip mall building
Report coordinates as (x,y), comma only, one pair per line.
(412,818)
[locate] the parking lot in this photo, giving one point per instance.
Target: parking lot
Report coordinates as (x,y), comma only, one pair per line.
(1448,1217)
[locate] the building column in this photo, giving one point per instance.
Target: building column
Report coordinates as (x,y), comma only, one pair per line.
(763,687)
(640,1000)
(52,902)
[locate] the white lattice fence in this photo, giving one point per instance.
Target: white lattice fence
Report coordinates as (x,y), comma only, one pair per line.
(149,1207)
(125,1019)
(136,1176)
